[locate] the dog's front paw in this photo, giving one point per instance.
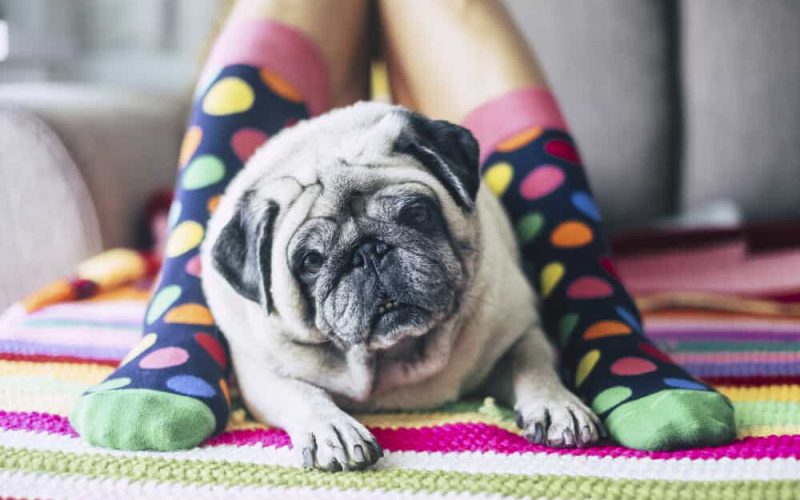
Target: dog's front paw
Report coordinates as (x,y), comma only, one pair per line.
(558,419)
(335,444)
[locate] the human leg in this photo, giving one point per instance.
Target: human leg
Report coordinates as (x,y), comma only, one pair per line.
(274,63)
(472,66)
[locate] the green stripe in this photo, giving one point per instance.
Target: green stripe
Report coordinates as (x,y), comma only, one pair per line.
(682,347)
(148,468)
(754,413)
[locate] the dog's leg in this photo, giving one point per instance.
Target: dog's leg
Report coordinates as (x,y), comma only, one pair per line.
(324,436)
(547,411)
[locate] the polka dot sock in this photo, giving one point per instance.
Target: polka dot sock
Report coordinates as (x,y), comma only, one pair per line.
(170,392)
(645,400)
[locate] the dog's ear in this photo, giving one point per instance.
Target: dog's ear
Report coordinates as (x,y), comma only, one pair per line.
(448,151)
(243,252)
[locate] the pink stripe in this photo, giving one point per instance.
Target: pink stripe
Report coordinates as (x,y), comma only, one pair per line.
(453,438)
(36,422)
(279,48)
(264,437)
(511,113)
(730,324)
(737,357)
(726,268)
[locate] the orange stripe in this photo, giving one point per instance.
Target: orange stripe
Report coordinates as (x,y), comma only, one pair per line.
(519,140)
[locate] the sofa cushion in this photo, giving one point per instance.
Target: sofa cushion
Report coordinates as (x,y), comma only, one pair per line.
(48,222)
(125,144)
(741,67)
(611,66)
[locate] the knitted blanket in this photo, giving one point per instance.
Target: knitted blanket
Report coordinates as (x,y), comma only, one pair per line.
(467,450)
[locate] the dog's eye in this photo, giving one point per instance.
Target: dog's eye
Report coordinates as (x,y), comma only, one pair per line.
(312,263)
(416,214)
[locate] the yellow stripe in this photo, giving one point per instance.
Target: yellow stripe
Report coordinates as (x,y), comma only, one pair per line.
(767,430)
(396,420)
(85,373)
(57,404)
(787,393)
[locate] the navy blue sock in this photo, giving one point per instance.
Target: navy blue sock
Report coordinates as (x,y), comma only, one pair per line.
(171,392)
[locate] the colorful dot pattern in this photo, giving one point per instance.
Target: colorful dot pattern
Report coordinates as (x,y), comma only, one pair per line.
(183,352)
(537,175)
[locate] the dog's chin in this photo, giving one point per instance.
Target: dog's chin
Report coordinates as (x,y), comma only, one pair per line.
(392,328)
(415,353)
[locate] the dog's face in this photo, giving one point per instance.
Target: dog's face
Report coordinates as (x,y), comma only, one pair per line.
(378,264)
(357,227)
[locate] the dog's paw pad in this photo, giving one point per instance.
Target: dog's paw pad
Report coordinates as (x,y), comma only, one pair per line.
(338,444)
(562,421)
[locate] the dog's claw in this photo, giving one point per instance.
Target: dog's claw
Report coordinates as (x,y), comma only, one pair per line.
(538,434)
(334,466)
(308,458)
(340,443)
(559,420)
(585,436)
(358,453)
(569,438)
(376,448)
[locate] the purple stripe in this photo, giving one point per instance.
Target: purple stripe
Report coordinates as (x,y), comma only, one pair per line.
(739,369)
(78,351)
(765,335)
(128,311)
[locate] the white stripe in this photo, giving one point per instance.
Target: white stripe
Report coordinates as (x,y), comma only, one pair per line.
(57,487)
(472,462)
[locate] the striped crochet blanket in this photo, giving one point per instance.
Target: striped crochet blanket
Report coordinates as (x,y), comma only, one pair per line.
(466,450)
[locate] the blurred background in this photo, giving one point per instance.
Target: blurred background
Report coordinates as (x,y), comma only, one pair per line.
(150,44)
(687,113)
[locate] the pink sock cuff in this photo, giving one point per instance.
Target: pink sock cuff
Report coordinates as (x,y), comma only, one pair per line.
(511,113)
(279,48)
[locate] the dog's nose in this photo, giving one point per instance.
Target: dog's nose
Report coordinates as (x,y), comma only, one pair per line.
(370,249)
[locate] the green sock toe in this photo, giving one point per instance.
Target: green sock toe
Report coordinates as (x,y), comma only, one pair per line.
(142,419)
(673,419)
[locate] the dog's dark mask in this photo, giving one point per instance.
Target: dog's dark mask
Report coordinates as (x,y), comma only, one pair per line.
(381,264)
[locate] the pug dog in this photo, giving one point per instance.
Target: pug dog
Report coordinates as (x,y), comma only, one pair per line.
(356,264)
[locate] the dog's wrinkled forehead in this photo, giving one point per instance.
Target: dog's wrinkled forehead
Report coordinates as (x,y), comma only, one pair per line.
(312,151)
(336,149)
